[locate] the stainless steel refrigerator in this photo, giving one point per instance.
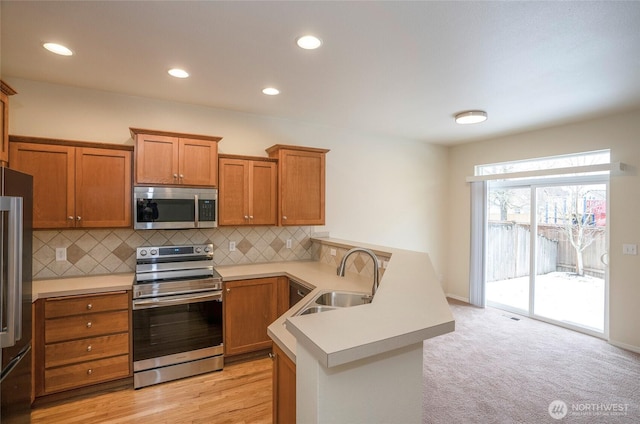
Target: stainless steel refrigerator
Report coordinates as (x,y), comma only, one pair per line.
(16,218)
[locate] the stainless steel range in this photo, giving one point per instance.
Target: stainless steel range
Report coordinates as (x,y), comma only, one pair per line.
(177,314)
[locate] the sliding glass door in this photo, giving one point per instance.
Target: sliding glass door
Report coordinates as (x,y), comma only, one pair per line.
(571,236)
(546,241)
(508,247)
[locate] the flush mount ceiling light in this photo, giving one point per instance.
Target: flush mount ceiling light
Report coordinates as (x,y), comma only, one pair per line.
(308,42)
(58,49)
(471,117)
(178,73)
(271,91)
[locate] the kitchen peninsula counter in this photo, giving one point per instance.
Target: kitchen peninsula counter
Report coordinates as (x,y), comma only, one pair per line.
(409,306)
(361,363)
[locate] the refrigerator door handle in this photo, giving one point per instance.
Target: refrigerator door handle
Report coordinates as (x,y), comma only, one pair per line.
(14,362)
(11,330)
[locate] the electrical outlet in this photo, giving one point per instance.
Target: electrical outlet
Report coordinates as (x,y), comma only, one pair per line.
(629,249)
(61,254)
(333,252)
(232,246)
(288,243)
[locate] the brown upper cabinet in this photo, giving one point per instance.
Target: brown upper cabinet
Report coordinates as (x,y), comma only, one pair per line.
(75,184)
(248,190)
(301,184)
(5,92)
(175,159)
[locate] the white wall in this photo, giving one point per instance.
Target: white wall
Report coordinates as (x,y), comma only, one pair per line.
(621,134)
(380,190)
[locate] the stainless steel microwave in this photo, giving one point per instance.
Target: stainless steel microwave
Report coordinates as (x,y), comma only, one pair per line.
(174,208)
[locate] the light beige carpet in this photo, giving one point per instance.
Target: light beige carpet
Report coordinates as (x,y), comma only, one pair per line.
(494,369)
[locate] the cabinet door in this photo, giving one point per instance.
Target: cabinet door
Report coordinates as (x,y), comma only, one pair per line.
(284,388)
(4,128)
(156,159)
(103,188)
(250,306)
(263,204)
(233,196)
(52,167)
(198,162)
(302,187)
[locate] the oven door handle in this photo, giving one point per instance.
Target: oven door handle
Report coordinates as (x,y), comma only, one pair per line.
(175,300)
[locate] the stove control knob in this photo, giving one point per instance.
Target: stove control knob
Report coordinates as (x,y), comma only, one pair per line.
(143,253)
(207,249)
(198,250)
(154,251)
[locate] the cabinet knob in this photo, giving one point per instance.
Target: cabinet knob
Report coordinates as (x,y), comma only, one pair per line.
(246,217)
(181,176)
(250,216)
(89,306)
(70,218)
(89,348)
(175,176)
(78,217)
(228,290)
(89,324)
(284,217)
(89,371)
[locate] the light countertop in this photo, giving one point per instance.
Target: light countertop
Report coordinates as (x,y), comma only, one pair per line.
(409,306)
(89,284)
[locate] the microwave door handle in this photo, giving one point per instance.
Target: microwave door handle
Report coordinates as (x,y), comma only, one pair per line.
(197,214)
(13,280)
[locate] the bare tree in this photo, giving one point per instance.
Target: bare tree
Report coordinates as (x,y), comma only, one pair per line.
(579,222)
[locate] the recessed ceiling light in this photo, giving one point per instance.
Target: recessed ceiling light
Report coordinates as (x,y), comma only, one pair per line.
(57,49)
(271,91)
(471,117)
(308,42)
(178,73)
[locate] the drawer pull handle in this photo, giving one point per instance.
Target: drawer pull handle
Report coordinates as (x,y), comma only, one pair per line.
(89,348)
(89,306)
(89,371)
(89,324)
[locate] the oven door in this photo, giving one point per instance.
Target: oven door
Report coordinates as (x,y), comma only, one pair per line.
(169,325)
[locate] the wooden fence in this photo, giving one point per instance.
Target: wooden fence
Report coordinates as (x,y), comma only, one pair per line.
(508,251)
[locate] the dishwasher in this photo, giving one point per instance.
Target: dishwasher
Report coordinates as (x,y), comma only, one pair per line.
(297,292)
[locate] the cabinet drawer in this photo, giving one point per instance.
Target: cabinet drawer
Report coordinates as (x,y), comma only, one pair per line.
(75,305)
(84,326)
(86,373)
(66,353)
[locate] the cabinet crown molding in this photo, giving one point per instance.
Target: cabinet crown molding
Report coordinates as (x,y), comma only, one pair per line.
(137,131)
(277,147)
(6,89)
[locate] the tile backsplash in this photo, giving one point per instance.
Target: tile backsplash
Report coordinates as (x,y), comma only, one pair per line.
(108,251)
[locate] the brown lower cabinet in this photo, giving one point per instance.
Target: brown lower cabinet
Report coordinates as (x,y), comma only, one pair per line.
(250,306)
(81,340)
(284,388)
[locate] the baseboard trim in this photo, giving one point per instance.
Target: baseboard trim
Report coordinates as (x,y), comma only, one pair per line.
(625,346)
(460,298)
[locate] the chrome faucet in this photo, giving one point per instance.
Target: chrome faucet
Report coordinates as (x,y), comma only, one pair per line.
(376,266)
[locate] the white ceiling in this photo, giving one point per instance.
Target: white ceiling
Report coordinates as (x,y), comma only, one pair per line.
(395,68)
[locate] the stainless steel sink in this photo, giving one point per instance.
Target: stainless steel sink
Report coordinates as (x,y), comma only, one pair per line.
(342,299)
(330,300)
(314,310)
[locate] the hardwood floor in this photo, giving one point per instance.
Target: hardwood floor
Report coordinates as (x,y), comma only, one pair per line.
(240,393)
